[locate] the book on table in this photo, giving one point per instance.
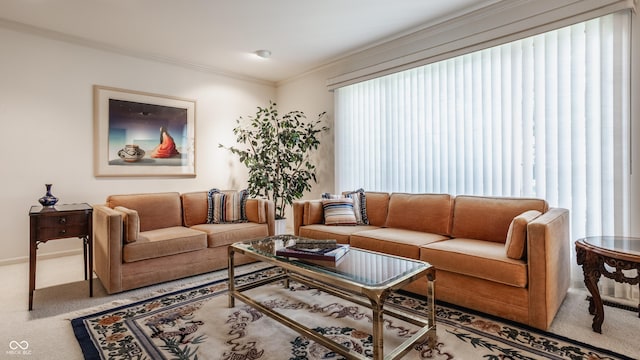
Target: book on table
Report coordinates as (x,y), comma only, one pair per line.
(324,251)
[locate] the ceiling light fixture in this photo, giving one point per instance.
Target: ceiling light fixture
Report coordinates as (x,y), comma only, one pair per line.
(265,54)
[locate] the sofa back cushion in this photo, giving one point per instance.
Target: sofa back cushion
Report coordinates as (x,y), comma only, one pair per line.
(488,218)
(257,211)
(429,213)
(377,207)
(195,208)
(155,210)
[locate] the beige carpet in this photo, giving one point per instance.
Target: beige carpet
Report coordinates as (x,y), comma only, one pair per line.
(48,332)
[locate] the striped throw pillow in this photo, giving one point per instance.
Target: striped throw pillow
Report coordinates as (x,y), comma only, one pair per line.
(359,206)
(338,211)
(226,206)
(331,196)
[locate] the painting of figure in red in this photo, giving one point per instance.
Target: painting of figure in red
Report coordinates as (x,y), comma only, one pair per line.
(133,124)
(167,146)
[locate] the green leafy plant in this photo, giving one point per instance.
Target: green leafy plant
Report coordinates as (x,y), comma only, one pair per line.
(276,152)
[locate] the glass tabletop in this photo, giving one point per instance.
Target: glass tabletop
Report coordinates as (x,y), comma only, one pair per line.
(361,266)
(39,209)
(627,245)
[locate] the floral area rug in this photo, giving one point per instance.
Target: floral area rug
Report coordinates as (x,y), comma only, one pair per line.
(197,324)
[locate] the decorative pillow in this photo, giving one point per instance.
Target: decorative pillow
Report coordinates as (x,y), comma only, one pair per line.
(131,222)
(338,211)
(359,206)
(331,196)
(226,206)
(516,244)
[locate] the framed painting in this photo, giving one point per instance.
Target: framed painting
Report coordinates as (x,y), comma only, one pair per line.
(142,134)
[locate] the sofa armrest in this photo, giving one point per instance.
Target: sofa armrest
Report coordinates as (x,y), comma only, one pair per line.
(270,208)
(307,212)
(298,213)
(107,245)
(548,258)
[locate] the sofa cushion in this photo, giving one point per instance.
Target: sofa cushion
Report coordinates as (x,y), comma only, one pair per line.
(227,206)
(338,211)
(226,234)
(164,242)
(312,212)
(377,206)
(155,210)
(477,258)
(429,213)
(256,211)
(194,208)
(488,218)
(339,233)
(399,242)
(131,222)
(516,244)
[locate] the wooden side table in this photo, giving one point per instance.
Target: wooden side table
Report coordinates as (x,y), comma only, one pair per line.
(60,222)
(619,253)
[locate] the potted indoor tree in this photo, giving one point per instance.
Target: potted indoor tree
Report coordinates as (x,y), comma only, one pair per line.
(276,150)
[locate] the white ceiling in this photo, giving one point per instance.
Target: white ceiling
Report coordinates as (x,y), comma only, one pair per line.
(220,35)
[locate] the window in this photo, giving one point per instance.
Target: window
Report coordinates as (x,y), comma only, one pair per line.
(546,116)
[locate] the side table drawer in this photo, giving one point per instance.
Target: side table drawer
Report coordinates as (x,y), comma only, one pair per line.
(62,226)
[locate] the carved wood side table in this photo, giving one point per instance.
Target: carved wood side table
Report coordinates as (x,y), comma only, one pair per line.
(616,252)
(60,222)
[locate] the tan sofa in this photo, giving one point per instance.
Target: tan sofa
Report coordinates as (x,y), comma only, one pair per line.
(466,238)
(144,239)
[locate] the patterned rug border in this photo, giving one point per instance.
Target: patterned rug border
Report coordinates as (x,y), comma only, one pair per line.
(90,349)
(508,322)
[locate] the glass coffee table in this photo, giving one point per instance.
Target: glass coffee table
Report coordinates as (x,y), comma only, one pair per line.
(362,277)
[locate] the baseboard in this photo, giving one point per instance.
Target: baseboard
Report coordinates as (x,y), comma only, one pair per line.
(51,255)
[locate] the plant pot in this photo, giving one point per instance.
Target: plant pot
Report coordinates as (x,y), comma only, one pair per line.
(281,226)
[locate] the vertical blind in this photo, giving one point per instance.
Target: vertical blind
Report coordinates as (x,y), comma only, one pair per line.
(546,116)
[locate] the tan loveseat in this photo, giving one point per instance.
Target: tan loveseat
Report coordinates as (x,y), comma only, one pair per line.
(144,239)
(466,238)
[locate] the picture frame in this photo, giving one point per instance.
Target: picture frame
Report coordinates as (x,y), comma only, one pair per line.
(142,134)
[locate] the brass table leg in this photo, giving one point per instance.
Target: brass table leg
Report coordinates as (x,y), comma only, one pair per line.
(231,279)
(377,333)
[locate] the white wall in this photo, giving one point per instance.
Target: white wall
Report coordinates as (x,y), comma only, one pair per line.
(47,121)
(309,94)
